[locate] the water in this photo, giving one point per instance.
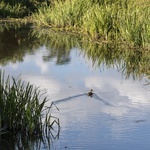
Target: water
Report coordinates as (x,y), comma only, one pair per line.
(115,118)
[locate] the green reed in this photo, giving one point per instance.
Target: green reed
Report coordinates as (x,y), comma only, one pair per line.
(125,21)
(6,10)
(22,107)
(20,8)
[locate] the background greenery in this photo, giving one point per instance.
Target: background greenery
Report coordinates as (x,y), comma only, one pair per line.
(126,21)
(110,20)
(21,8)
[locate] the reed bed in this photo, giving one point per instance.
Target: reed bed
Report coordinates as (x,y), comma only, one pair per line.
(20,8)
(8,11)
(22,108)
(126,21)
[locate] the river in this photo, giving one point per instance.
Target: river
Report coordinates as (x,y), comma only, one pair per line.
(66,67)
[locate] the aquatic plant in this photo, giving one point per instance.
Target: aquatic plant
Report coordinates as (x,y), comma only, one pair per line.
(22,108)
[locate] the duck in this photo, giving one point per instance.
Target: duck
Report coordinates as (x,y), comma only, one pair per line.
(90,93)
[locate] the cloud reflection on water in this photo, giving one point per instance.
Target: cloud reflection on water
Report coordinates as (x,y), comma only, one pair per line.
(131,101)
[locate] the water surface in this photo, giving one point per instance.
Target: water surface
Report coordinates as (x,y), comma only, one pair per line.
(115,118)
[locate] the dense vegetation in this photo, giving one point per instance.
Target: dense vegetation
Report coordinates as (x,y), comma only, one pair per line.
(20,8)
(22,108)
(125,21)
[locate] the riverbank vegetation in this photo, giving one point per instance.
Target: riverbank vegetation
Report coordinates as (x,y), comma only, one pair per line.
(117,20)
(22,108)
(20,8)
(126,21)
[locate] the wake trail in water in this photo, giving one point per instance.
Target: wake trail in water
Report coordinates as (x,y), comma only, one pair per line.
(102,100)
(95,96)
(68,98)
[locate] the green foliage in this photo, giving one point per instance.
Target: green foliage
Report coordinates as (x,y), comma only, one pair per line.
(6,10)
(122,20)
(20,8)
(125,21)
(21,107)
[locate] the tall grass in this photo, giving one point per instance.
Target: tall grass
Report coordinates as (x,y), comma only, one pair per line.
(20,8)
(8,11)
(134,24)
(126,21)
(22,107)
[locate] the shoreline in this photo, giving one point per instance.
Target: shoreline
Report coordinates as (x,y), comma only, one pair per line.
(29,22)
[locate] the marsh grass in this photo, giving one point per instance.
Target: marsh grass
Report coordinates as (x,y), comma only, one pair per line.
(8,11)
(126,21)
(22,108)
(20,8)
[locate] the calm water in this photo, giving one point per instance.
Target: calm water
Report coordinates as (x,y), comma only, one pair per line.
(117,117)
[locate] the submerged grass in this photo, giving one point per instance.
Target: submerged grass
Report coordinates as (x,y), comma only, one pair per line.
(125,21)
(22,107)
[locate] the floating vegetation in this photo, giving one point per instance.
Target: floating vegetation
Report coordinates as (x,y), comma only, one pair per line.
(23,110)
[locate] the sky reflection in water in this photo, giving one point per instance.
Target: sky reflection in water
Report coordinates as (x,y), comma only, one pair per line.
(117,120)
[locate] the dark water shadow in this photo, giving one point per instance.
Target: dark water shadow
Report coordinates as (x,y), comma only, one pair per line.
(140,121)
(24,142)
(20,141)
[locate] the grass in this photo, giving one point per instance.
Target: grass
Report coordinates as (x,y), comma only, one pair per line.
(20,8)
(125,21)
(8,11)
(22,108)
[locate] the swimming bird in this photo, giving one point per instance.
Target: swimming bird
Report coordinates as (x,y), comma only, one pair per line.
(90,93)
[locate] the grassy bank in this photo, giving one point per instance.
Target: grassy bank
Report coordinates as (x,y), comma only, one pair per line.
(125,21)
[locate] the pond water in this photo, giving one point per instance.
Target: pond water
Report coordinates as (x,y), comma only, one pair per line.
(116,117)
